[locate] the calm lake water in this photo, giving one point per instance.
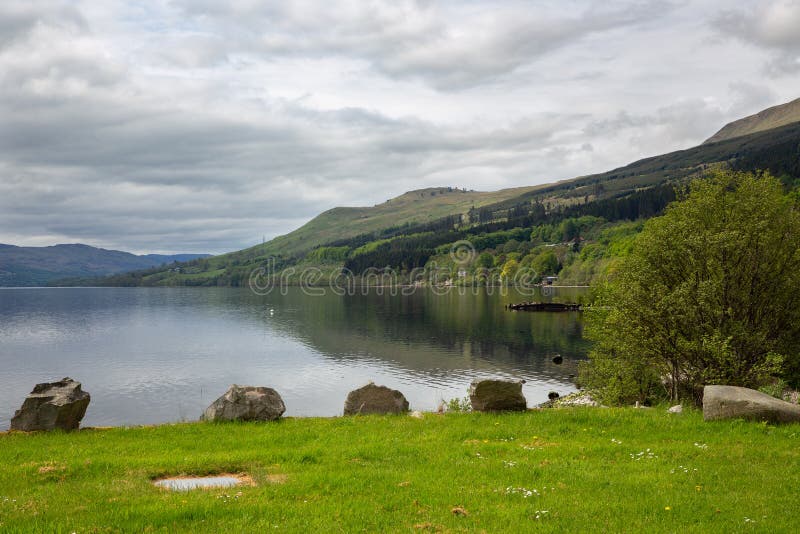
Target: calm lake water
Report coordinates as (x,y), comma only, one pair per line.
(151,355)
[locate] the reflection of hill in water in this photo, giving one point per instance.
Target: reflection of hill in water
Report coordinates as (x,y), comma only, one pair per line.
(146,354)
(422,332)
(427,332)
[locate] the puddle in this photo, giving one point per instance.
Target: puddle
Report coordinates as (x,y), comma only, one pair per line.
(190,483)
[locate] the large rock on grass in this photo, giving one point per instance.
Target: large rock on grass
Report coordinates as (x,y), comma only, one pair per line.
(732,402)
(372,399)
(52,405)
(246,403)
(497,395)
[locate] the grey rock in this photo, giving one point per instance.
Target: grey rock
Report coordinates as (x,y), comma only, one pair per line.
(372,399)
(579,398)
(676,409)
(497,395)
(732,402)
(52,405)
(246,403)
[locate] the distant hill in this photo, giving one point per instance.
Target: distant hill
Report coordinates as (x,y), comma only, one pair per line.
(413,207)
(405,232)
(774,149)
(36,266)
(768,119)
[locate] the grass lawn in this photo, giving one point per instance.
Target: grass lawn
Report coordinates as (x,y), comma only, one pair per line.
(577,470)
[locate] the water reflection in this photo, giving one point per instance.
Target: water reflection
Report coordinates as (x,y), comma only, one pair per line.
(162,354)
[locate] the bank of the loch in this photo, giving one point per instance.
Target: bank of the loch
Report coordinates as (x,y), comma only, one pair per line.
(572,469)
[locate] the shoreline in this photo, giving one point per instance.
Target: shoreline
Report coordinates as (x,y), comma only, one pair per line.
(577,399)
(542,469)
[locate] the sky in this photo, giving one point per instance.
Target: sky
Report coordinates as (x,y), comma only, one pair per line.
(204,126)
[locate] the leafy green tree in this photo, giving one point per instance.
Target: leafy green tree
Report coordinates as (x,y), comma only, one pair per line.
(709,294)
(509,269)
(568,230)
(546,263)
(510,246)
(485,261)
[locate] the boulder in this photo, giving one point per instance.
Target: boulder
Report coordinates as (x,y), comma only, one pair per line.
(497,395)
(52,405)
(246,403)
(732,402)
(678,408)
(375,399)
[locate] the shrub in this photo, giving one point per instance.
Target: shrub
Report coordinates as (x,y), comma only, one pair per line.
(710,293)
(459,405)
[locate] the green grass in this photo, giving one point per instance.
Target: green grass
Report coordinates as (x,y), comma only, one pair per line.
(400,474)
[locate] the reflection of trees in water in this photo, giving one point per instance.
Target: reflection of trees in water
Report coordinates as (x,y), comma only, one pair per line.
(421,330)
(421,333)
(406,328)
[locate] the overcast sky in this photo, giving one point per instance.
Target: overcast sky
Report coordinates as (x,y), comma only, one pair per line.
(203,125)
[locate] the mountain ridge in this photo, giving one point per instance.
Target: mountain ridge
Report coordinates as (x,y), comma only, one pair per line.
(767,119)
(34,266)
(406,231)
(408,208)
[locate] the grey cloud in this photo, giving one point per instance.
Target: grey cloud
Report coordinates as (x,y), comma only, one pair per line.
(160,173)
(414,40)
(19,17)
(783,64)
(773,25)
(679,124)
(110,165)
(688,120)
(191,50)
(750,97)
(170,129)
(503,45)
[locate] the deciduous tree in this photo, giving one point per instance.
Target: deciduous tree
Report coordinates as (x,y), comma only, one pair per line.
(709,294)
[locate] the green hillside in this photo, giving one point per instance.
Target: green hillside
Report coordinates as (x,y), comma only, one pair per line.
(413,207)
(768,119)
(577,228)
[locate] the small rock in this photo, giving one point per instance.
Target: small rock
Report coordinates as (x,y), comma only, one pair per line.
(553,395)
(579,398)
(732,402)
(246,403)
(558,359)
(676,409)
(417,414)
(52,405)
(372,399)
(497,395)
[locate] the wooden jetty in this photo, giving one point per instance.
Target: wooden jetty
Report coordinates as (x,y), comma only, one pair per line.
(544,307)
